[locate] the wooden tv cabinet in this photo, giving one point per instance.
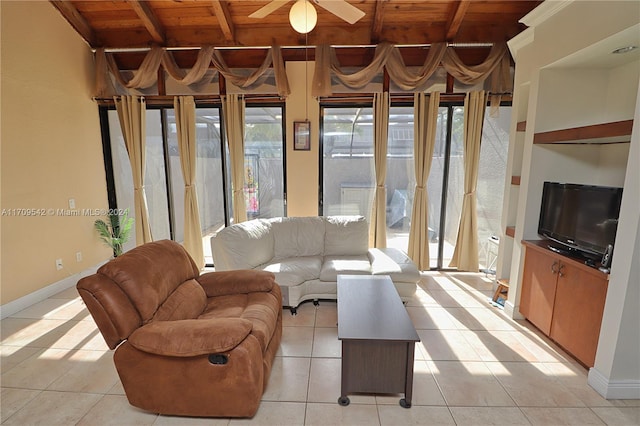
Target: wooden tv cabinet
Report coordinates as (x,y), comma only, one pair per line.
(564,298)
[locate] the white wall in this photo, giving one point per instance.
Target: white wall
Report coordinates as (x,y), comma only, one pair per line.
(616,373)
(51,150)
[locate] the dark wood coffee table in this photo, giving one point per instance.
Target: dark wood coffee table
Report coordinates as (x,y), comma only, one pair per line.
(378,338)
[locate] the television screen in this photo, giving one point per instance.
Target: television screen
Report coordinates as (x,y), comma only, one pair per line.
(582,217)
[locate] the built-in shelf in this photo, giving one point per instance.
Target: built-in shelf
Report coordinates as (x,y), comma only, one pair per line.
(510,231)
(615,132)
(521,126)
(515,180)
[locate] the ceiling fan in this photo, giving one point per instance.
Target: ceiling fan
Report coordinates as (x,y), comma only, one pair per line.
(340,8)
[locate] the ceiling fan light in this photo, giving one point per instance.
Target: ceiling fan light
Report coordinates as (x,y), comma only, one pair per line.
(303,16)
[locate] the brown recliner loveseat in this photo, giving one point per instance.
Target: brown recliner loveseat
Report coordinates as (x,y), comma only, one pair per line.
(186,344)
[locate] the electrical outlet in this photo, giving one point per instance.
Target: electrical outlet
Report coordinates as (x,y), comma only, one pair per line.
(79,256)
(72,203)
(59,264)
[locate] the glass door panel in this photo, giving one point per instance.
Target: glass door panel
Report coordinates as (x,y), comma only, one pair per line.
(348,175)
(264,162)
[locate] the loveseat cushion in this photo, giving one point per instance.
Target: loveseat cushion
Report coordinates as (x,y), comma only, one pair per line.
(149,273)
(260,309)
(190,337)
(298,236)
(346,235)
(222,283)
(186,302)
(294,271)
(350,265)
(243,245)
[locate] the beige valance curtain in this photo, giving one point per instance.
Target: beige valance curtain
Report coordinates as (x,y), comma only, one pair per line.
(185,111)
(465,254)
(132,116)
(378,225)
(233,111)
(147,74)
(425,115)
(495,66)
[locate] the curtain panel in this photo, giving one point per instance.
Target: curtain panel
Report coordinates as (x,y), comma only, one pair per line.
(378,225)
(132,115)
(465,254)
(185,110)
(233,110)
(425,107)
(496,66)
(147,74)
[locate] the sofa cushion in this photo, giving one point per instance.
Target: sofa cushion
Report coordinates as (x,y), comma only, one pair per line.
(346,235)
(186,302)
(243,245)
(298,236)
(294,271)
(395,263)
(351,265)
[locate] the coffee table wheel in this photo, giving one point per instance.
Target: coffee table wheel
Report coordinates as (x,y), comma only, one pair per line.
(404,403)
(344,401)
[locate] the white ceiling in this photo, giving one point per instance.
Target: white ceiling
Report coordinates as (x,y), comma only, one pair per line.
(599,54)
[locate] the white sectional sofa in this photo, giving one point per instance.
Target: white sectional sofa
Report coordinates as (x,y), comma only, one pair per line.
(307,253)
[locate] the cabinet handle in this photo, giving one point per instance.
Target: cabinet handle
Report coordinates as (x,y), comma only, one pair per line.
(553,268)
(560,273)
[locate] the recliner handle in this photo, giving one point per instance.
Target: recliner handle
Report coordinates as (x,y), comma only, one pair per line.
(218,359)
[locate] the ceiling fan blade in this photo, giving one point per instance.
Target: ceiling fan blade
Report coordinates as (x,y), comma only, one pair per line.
(341,9)
(269,8)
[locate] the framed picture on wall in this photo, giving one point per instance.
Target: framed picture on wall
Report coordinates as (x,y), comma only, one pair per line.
(301,135)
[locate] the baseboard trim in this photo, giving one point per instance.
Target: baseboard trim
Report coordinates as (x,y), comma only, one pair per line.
(613,389)
(24,302)
(511,311)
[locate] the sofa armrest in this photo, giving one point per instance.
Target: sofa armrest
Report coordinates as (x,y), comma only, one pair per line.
(224,283)
(191,337)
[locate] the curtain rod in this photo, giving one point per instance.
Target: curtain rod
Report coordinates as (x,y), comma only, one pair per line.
(339,46)
(199,99)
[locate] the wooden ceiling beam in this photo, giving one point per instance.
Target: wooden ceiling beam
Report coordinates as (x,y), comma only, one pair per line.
(378,17)
(456,17)
(221,9)
(149,20)
(76,20)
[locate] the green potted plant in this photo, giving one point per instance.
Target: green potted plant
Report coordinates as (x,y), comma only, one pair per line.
(116,231)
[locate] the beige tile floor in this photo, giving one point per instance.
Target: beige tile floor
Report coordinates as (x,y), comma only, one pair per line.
(473,366)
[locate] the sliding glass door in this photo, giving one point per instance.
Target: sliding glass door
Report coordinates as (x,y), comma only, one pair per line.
(264,167)
(348,175)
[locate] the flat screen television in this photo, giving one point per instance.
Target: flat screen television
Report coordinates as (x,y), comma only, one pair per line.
(582,218)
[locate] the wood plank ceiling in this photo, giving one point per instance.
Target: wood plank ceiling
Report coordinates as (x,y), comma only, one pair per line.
(127,24)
